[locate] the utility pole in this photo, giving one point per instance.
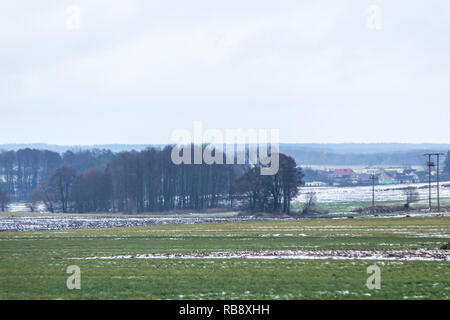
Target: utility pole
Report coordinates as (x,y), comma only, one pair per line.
(373,192)
(429,164)
(437,179)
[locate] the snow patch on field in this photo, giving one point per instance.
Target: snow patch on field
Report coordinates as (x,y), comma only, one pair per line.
(420,254)
(364,193)
(59,222)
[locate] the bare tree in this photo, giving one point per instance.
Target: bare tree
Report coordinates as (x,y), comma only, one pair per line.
(40,194)
(291,180)
(411,194)
(32,201)
(310,202)
(62,182)
(4,201)
(45,193)
(91,191)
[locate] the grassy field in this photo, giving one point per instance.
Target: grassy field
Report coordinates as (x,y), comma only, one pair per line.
(33,264)
(348,207)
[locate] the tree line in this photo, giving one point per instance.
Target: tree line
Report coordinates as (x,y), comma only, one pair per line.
(446,170)
(144,181)
(22,170)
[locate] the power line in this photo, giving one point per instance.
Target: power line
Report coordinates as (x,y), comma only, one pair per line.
(373,192)
(437,179)
(431,164)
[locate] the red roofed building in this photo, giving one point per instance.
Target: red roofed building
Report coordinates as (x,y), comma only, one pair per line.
(344,173)
(343,177)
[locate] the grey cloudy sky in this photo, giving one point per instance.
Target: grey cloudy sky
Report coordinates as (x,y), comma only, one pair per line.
(136,70)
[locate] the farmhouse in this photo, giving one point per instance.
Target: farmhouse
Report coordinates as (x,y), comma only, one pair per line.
(343,177)
(386,178)
(316,184)
(365,178)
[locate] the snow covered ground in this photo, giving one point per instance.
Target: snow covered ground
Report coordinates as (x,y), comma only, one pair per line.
(327,194)
(59,222)
(23,207)
(364,193)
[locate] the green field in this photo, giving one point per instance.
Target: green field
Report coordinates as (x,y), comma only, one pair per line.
(33,264)
(348,207)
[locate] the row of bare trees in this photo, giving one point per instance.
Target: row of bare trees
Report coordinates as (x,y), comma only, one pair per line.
(67,191)
(145,181)
(148,181)
(21,171)
(4,201)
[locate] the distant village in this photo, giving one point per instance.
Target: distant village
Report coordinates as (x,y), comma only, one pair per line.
(363,176)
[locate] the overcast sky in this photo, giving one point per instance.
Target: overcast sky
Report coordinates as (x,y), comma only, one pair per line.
(134,71)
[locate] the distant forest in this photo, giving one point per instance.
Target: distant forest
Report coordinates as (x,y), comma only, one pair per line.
(344,154)
(362,154)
